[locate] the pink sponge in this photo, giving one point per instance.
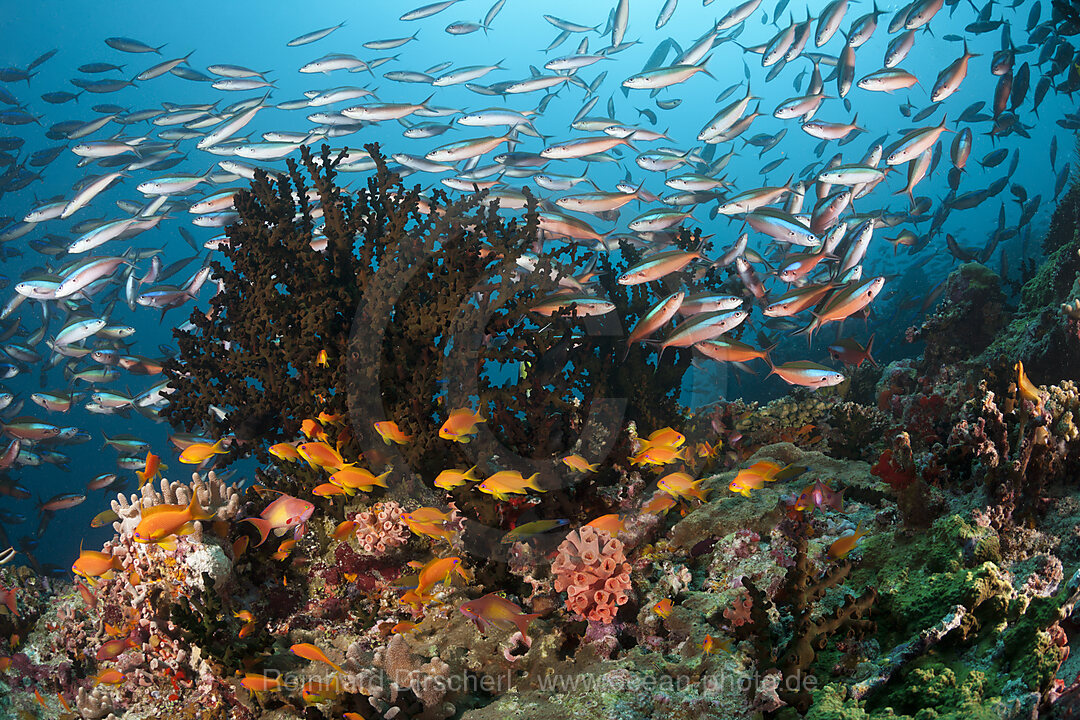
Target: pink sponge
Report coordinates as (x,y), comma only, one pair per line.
(591,567)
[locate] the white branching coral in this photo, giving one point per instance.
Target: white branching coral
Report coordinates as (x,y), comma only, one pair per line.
(214,495)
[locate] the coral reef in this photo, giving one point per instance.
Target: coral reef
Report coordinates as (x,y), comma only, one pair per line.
(902,546)
(1041,334)
(969,317)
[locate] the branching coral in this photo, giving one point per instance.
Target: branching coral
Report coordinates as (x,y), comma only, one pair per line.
(591,567)
(806,629)
(214,495)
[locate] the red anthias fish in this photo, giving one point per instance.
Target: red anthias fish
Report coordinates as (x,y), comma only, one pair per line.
(493,609)
(282,514)
(821,496)
(850,352)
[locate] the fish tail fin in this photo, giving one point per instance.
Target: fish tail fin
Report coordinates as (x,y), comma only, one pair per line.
(771,364)
(522,621)
(195,508)
(262,525)
(530,482)
(869,349)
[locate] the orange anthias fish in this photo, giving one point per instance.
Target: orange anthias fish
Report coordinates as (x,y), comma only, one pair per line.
(430,522)
(664,437)
(1027,389)
(344,529)
(329,490)
(461,425)
(495,610)
(311,652)
(260,683)
(427,515)
(163,521)
(509,482)
(681,486)
(403,626)
(319,454)
(312,430)
(94,564)
(663,608)
(152,469)
(284,549)
(440,570)
(660,503)
(197,453)
(754,477)
(331,419)
(612,523)
(319,691)
(390,432)
(249,623)
(112,649)
(285,512)
(450,479)
(659,455)
(285,451)
(353,478)
(322,359)
(111,676)
(580,464)
(843,545)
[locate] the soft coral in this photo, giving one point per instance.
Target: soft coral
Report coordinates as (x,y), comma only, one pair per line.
(888,469)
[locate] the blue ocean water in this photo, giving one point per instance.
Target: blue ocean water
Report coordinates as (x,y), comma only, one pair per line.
(254,35)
